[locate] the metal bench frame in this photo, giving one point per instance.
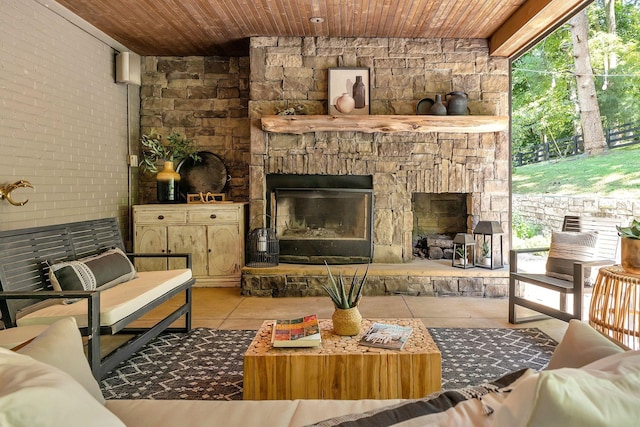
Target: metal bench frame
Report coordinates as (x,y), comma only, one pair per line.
(25,256)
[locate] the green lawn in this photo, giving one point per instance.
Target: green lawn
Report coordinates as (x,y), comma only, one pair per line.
(616,173)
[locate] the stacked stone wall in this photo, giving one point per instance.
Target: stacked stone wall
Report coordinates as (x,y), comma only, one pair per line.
(291,72)
(548,211)
(205,99)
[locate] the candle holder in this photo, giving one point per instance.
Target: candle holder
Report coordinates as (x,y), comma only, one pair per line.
(464,251)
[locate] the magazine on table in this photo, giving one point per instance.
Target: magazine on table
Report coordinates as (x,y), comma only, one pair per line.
(300,332)
(383,335)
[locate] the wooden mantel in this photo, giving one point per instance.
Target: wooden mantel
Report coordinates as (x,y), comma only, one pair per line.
(385,124)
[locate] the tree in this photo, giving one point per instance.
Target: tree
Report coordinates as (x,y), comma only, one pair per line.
(592,132)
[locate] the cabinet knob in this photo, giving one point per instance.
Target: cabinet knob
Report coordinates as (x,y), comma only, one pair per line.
(160,216)
(213,216)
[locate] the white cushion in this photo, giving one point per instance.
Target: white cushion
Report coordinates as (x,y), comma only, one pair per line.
(603,393)
(581,345)
(116,302)
(60,345)
(35,394)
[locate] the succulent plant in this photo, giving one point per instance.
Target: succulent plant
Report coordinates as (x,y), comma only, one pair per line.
(337,289)
(631,232)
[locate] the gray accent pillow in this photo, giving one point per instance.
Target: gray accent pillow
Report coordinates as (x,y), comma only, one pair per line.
(568,247)
(100,271)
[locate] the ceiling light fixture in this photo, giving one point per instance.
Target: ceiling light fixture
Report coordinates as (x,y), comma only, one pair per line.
(316,20)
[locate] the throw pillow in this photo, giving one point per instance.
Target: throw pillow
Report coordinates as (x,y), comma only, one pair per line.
(35,394)
(580,345)
(97,272)
(568,247)
(462,407)
(603,393)
(60,345)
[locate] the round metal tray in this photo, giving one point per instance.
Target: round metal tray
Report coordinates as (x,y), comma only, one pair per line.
(207,175)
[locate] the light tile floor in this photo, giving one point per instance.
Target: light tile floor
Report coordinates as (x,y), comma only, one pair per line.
(225,308)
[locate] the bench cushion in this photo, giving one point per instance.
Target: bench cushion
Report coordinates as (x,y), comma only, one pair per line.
(87,274)
(116,302)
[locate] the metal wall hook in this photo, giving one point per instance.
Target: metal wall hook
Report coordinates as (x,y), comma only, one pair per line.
(5,191)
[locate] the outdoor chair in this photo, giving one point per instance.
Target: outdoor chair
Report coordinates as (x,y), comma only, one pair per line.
(584,243)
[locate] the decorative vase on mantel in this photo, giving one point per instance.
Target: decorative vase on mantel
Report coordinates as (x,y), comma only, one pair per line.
(345,103)
(347,321)
(168,184)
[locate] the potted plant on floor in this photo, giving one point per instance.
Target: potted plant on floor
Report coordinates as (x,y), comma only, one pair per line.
(155,152)
(630,247)
(346,317)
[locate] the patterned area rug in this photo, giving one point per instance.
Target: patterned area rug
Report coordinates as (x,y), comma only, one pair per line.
(206,364)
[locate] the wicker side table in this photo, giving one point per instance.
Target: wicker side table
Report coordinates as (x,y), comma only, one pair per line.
(615,305)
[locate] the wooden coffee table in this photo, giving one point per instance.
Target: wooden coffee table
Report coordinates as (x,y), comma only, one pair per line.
(342,369)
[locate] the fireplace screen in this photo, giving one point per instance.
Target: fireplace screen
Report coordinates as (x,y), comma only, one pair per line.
(324,224)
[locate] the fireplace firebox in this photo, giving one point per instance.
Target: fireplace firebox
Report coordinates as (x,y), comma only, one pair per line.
(321,218)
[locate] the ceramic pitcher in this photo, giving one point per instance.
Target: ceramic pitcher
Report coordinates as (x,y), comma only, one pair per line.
(457,103)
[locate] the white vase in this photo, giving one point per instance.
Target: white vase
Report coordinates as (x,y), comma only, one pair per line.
(345,103)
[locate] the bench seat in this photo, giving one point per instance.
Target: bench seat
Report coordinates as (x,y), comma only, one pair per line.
(116,303)
(26,288)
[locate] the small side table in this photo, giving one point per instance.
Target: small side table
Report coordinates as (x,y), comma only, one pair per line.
(615,305)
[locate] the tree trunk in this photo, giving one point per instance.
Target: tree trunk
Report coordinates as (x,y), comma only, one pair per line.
(587,99)
(610,57)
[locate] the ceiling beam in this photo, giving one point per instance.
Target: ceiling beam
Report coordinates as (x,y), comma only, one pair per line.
(530,23)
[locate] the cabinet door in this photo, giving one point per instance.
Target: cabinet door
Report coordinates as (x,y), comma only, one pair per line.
(225,249)
(189,239)
(150,239)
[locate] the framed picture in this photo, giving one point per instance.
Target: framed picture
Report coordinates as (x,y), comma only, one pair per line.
(348,91)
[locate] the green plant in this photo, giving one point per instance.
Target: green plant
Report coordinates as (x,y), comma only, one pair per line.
(337,289)
(523,228)
(631,232)
(485,249)
(461,252)
(176,149)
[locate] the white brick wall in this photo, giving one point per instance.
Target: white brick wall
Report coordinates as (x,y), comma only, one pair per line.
(63,120)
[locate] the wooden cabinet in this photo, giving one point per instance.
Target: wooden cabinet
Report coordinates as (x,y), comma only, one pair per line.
(213,234)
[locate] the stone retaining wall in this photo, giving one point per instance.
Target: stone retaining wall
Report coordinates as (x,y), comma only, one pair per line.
(548,210)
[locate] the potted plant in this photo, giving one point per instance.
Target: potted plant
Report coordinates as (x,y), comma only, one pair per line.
(155,152)
(462,255)
(346,317)
(486,253)
(630,247)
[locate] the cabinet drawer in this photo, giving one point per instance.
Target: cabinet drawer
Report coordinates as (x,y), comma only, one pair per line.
(160,217)
(208,217)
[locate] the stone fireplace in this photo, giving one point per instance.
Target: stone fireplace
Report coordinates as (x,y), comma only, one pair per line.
(466,172)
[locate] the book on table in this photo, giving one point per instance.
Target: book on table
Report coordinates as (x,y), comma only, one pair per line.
(300,332)
(383,335)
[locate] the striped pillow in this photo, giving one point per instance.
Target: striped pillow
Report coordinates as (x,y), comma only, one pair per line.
(568,247)
(109,268)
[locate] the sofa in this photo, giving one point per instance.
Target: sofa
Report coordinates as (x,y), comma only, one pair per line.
(589,381)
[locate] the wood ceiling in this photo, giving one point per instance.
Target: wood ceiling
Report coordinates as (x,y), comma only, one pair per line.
(222,27)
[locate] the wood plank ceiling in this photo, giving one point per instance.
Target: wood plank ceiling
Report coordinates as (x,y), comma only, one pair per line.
(222,27)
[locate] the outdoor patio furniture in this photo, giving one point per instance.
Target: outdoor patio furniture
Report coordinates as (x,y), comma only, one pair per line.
(564,275)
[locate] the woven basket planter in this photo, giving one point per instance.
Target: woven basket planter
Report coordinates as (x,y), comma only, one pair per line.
(347,322)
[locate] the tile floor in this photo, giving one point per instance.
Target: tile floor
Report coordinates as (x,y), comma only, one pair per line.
(225,308)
